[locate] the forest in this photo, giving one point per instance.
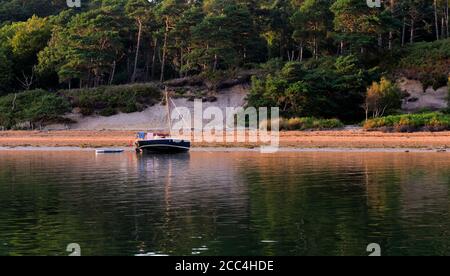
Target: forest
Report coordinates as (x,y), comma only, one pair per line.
(317,57)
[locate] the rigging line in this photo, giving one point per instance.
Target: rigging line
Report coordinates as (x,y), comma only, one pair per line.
(176,109)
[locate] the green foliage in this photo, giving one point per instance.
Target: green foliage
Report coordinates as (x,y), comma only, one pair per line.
(6,77)
(435,121)
(30,37)
(319,53)
(427,62)
(35,106)
(86,49)
(108,100)
(310,123)
(272,66)
(223,39)
(43,107)
(356,23)
(328,88)
(311,22)
(20,42)
(19,10)
(383,98)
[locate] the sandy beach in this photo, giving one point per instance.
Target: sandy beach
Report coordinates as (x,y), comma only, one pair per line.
(350,139)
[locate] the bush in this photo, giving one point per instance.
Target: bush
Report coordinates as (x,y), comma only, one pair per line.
(428,62)
(434,121)
(329,87)
(36,106)
(108,100)
(309,123)
(108,111)
(382,98)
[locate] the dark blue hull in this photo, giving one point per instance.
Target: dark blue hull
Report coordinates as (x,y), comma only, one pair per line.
(163,146)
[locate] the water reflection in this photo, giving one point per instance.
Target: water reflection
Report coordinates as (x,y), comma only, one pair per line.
(224,203)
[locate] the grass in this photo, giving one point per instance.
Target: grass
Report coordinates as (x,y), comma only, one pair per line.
(310,123)
(432,121)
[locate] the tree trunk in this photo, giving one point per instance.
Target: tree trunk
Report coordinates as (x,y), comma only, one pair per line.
(446,17)
(138,46)
(163,62)
(113,72)
(215,62)
(315,47)
(291,55)
(436,19)
(14,102)
(301,52)
(443,27)
(403,32)
(391,37)
(181,62)
(155,51)
(411,39)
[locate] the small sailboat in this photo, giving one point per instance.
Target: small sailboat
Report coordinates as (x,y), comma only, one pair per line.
(162,143)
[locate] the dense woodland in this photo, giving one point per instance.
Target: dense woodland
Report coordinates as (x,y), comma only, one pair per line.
(318,56)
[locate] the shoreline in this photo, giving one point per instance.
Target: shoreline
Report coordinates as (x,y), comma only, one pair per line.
(336,141)
(241,149)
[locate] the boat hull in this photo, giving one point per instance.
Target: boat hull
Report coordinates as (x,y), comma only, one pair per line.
(163,146)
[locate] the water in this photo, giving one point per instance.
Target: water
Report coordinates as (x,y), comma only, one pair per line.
(218,203)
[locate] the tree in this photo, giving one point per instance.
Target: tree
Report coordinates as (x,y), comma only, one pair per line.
(211,45)
(224,38)
(436,19)
(85,50)
(356,23)
(21,42)
(140,11)
(311,24)
(167,12)
(276,28)
(182,34)
(332,88)
(382,98)
(20,10)
(6,77)
(415,12)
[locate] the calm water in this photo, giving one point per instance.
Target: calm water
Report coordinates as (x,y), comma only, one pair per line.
(224,203)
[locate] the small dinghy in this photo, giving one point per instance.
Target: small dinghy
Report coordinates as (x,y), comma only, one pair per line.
(105,151)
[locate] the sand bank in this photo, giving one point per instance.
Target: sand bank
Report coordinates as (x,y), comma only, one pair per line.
(345,139)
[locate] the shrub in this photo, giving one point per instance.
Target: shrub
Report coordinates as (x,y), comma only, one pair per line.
(36,106)
(382,98)
(329,87)
(108,111)
(434,121)
(309,123)
(428,62)
(109,100)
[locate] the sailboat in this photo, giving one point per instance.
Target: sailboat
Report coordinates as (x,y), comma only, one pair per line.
(162,143)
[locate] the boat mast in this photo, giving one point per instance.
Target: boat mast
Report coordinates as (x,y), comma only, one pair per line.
(169,118)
